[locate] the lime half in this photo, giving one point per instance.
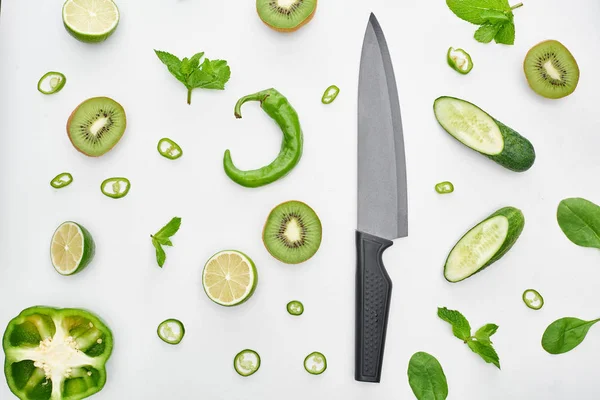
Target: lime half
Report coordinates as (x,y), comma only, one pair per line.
(229,278)
(90,21)
(72,248)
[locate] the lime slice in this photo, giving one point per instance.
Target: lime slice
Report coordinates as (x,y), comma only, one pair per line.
(90,21)
(229,278)
(72,248)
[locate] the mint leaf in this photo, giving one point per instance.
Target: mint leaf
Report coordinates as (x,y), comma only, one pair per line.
(506,34)
(169,229)
(211,75)
(483,334)
(195,60)
(473,10)
(485,351)
(161,256)
(487,32)
(168,59)
(495,17)
(164,242)
(460,326)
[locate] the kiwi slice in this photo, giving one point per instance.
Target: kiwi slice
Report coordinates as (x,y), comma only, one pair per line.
(551,70)
(286,15)
(96,126)
(292,233)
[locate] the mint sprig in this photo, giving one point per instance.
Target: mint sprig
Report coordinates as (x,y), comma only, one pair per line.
(210,74)
(479,343)
(495,17)
(162,238)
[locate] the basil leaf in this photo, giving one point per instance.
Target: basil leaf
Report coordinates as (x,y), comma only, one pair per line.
(426,377)
(565,334)
(483,334)
(579,219)
(460,326)
(485,351)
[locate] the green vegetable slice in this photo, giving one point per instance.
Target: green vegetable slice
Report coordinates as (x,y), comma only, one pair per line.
(315,363)
(72,248)
(52,82)
(169,149)
(459,60)
(171,331)
(533,299)
(295,308)
(444,187)
(61,180)
(246,362)
(331,93)
(56,354)
(115,188)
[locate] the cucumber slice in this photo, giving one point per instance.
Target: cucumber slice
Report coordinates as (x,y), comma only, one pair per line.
(484,244)
(477,130)
(171,331)
(246,362)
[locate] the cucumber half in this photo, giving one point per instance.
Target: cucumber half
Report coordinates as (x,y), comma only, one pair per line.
(479,131)
(484,244)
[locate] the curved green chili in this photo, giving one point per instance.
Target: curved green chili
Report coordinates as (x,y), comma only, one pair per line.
(61,180)
(115,188)
(53,81)
(330,94)
(169,149)
(279,109)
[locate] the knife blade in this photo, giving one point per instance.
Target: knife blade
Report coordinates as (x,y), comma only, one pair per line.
(382,198)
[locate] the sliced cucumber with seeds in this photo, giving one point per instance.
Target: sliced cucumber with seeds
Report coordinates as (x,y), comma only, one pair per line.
(171,331)
(484,244)
(477,130)
(246,362)
(315,363)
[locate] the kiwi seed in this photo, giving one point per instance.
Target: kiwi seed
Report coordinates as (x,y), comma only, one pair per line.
(286,15)
(292,233)
(551,70)
(96,126)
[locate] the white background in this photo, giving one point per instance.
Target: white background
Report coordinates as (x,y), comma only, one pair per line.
(124,284)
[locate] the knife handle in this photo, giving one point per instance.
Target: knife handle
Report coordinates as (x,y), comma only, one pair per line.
(373,297)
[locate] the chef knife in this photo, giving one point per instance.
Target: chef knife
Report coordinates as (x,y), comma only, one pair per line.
(382,198)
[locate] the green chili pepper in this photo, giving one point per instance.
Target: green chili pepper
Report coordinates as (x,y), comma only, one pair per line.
(295,308)
(115,188)
(171,331)
(169,149)
(533,299)
(52,82)
(277,107)
(61,180)
(56,354)
(315,363)
(460,60)
(246,362)
(444,187)
(330,94)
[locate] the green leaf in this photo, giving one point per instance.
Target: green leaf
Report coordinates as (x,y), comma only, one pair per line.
(168,59)
(473,10)
(487,32)
(506,34)
(460,326)
(163,241)
(169,229)
(195,60)
(426,377)
(579,219)
(484,333)
(565,334)
(485,351)
(161,256)
(495,17)
(211,75)
(186,68)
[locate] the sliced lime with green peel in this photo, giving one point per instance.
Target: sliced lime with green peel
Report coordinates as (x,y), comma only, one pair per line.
(90,21)
(229,278)
(72,248)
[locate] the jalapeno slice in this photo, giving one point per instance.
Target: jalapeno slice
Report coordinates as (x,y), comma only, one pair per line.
(533,299)
(115,188)
(246,362)
(315,363)
(444,187)
(295,308)
(169,149)
(171,331)
(61,180)
(330,94)
(57,354)
(52,82)
(459,60)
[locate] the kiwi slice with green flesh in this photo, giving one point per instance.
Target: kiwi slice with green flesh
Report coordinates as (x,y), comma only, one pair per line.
(96,126)
(292,233)
(551,70)
(286,15)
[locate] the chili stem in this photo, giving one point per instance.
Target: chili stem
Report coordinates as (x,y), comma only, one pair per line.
(516,6)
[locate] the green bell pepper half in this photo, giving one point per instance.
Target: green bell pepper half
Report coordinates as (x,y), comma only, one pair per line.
(56,354)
